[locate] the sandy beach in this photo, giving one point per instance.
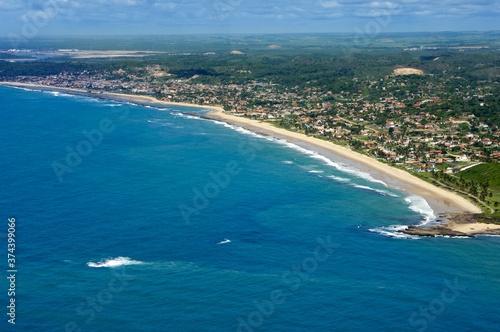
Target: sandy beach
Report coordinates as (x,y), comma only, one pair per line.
(417,186)
(456,228)
(475,228)
(411,183)
(140,99)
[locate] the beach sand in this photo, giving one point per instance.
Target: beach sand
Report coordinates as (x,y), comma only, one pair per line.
(414,184)
(441,200)
(455,229)
(475,228)
(141,99)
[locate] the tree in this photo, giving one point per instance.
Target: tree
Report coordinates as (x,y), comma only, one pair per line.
(463,127)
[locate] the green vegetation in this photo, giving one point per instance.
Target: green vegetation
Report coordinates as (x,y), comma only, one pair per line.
(489,175)
(480,184)
(327,43)
(484,173)
(442,112)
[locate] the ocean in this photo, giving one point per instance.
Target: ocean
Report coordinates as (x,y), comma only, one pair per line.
(134,218)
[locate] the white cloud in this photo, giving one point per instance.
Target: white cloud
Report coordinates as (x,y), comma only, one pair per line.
(423,13)
(295,9)
(334,15)
(8,5)
(166,6)
(374,13)
(182,13)
(384,4)
(329,4)
(127,2)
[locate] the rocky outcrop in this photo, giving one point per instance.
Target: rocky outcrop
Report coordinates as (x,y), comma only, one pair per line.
(433,231)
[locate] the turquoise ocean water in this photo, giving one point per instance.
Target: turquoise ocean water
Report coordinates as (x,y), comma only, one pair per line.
(132,218)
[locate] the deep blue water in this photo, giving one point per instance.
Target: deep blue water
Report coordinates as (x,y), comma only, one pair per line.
(166,222)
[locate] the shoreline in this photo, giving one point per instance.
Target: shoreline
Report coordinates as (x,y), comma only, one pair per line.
(458,223)
(441,200)
(419,186)
(119,97)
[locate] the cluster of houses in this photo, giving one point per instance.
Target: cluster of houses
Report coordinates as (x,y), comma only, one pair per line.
(394,126)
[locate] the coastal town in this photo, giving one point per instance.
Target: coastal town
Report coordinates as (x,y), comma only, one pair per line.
(403,125)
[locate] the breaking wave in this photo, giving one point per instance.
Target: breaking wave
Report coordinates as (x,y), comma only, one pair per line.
(114,262)
(420,205)
(393,232)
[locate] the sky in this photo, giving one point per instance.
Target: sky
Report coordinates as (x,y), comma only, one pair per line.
(27,18)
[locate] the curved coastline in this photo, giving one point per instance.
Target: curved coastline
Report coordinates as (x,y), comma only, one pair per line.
(462,222)
(418,186)
(119,97)
(413,184)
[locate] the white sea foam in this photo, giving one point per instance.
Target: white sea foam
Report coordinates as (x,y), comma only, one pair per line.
(224,241)
(88,99)
(187,116)
(152,107)
(420,205)
(114,262)
(163,123)
(417,204)
(345,169)
(316,172)
(54,93)
(242,130)
(454,237)
(74,96)
(342,168)
(113,105)
(486,235)
(392,231)
(288,162)
(337,178)
(22,88)
(382,192)
(130,103)
(353,171)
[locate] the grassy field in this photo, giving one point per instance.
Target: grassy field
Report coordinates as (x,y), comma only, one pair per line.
(486,173)
(480,174)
